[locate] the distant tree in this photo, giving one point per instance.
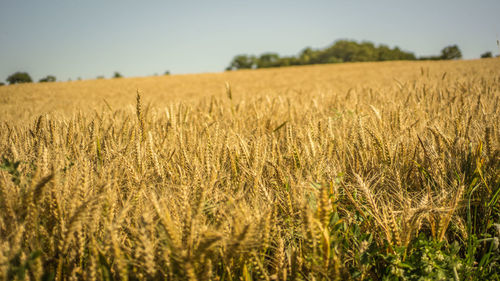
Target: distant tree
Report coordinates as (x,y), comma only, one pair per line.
(100,77)
(384,53)
(19,77)
(486,55)
(117,75)
(287,61)
(242,62)
(268,60)
(398,54)
(365,51)
(49,78)
(307,56)
(167,72)
(2,83)
(451,53)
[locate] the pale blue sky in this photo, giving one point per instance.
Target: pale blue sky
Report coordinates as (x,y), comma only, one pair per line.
(87,38)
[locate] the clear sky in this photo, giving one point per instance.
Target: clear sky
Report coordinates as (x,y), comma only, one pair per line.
(87,38)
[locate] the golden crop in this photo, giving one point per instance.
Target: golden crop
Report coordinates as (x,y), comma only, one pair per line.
(274,174)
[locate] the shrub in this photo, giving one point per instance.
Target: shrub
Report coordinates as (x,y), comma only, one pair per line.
(486,55)
(49,78)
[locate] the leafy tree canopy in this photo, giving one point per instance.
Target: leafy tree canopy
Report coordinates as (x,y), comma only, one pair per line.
(340,51)
(19,77)
(451,53)
(268,60)
(242,62)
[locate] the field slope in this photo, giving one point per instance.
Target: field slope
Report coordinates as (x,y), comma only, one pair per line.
(361,171)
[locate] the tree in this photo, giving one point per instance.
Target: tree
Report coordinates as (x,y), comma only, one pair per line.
(2,83)
(451,53)
(268,60)
(242,62)
(288,61)
(486,55)
(49,78)
(307,56)
(117,75)
(19,77)
(167,72)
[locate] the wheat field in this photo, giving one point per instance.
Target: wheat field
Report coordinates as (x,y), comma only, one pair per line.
(360,171)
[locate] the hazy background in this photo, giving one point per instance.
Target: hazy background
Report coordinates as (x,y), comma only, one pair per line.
(88,38)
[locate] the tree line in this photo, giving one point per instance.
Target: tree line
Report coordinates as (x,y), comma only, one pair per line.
(340,51)
(23,77)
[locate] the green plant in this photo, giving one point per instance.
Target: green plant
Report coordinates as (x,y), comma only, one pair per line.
(425,260)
